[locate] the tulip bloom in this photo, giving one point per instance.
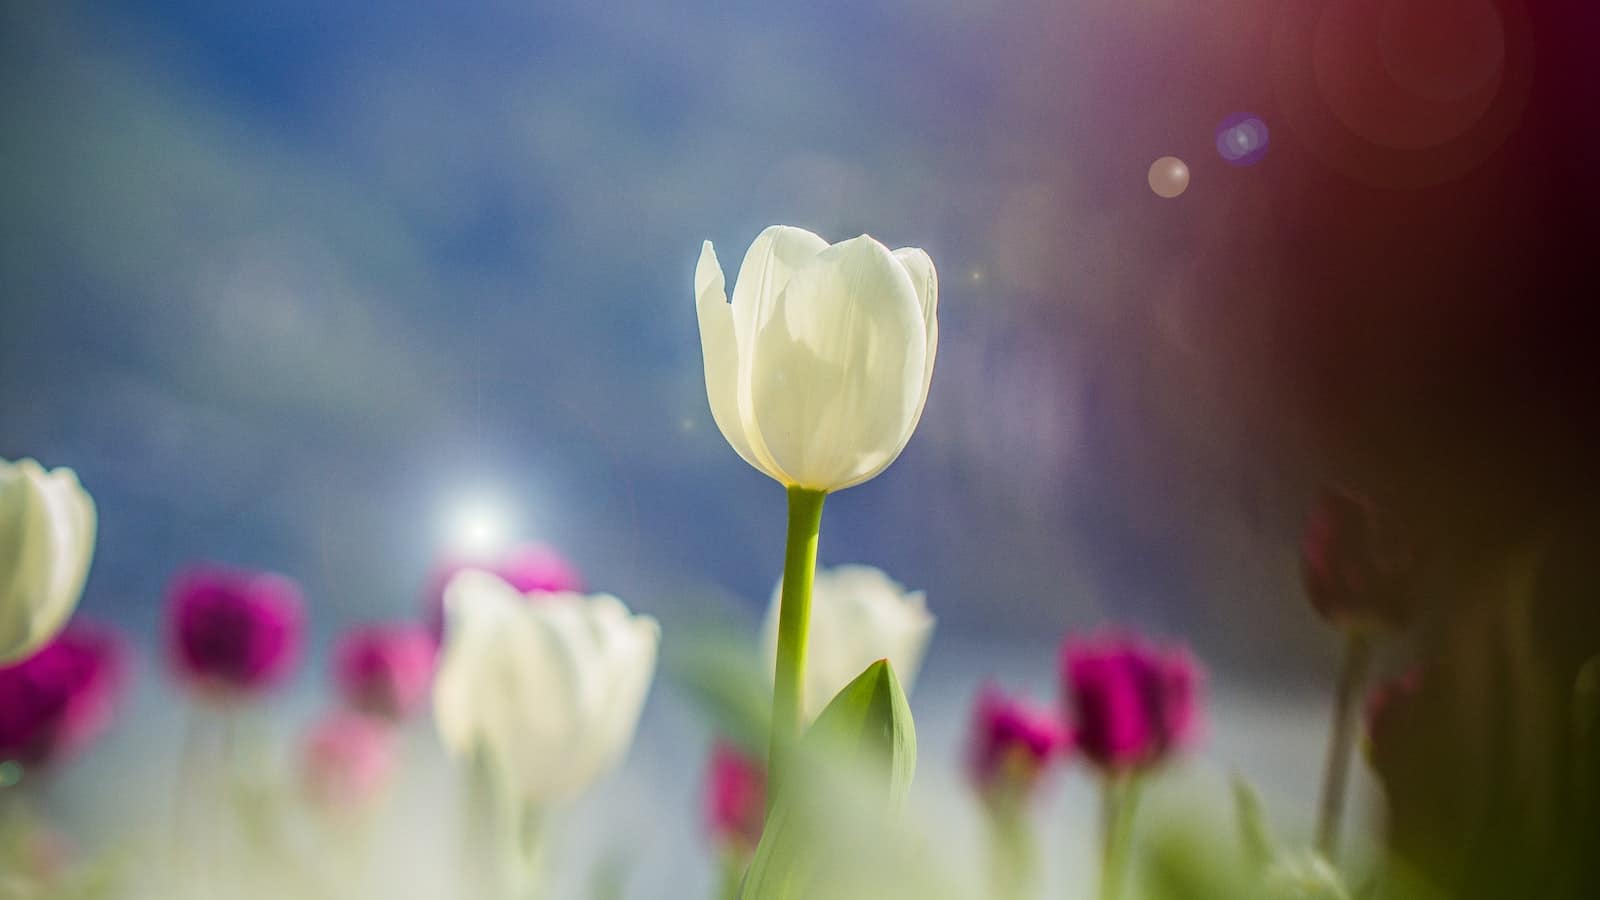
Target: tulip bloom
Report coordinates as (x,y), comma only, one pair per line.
(859,615)
(59,700)
(818,370)
(1357,569)
(1012,745)
(547,693)
(348,760)
(534,569)
(47,531)
(385,670)
(735,798)
(233,633)
(1133,705)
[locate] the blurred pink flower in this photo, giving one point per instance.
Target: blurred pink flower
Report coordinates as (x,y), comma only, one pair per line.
(530,568)
(1012,744)
(59,700)
(1357,569)
(1391,708)
(233,632)
(735,797)
(1132,704)
(385,670)
(348,760)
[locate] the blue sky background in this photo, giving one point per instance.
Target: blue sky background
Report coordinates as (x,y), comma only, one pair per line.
(285,282)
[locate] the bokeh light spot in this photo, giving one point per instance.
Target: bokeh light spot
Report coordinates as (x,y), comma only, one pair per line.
(478,525)
(1169,177)
(1242,139)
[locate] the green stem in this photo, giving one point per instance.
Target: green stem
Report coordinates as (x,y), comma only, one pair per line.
(1341,738)
(1120,801)
(734,863)
(1013,856)
(794,624)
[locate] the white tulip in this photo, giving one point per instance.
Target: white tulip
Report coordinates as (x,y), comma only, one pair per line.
(47,527)
(818,370)
(859,615)
(546,689)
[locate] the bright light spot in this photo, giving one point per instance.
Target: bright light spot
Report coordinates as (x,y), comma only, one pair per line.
(478,525)
(1168,177)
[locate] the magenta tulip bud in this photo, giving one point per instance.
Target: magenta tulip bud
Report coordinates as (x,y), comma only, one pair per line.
(1012,745)
(1132,705)
(735,798)
(349,759)
(532,568)
(56,702)
(1357,569)
(385,670)
(233,633)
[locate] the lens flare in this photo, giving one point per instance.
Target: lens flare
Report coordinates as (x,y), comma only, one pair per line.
(1242,139)
(1169,177)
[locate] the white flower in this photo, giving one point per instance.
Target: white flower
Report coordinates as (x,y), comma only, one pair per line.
(47,526)
(859,615)
(818,370)
(547,689)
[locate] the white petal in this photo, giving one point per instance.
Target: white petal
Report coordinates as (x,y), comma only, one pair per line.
(627,644)
(776,254)
(837,367)
(47,530)
(919,266)
(859,615)
(548,690)
(720,350)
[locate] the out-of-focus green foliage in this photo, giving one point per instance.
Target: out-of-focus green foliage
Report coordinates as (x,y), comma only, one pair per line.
(834,829)
(723,676)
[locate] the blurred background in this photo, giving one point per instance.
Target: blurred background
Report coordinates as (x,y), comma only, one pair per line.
(324,287)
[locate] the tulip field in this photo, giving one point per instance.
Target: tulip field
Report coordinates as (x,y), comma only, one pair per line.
(897,451)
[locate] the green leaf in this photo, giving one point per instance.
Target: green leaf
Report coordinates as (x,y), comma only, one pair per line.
(850,774)
(1255,838)
(869,723)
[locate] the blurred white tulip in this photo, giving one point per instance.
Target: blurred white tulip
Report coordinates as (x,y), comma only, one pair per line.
(545,690)
(818,370)
(859,615)
(47,528)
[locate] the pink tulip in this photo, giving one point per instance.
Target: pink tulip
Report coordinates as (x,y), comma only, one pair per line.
(233,633)
(1133,705)
(349,759)
(1012,745)
(56,702)
(385,670)
(532,568)
(735,797)
(1357,570)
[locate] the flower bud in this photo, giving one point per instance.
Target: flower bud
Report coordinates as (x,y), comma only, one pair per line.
(735,798)
(385,670)
(233,633)
(1011,746)
(859,615)
(547,693)
(348,760)
(59,700)
(1132,705)
(47,531)
(1357,569)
